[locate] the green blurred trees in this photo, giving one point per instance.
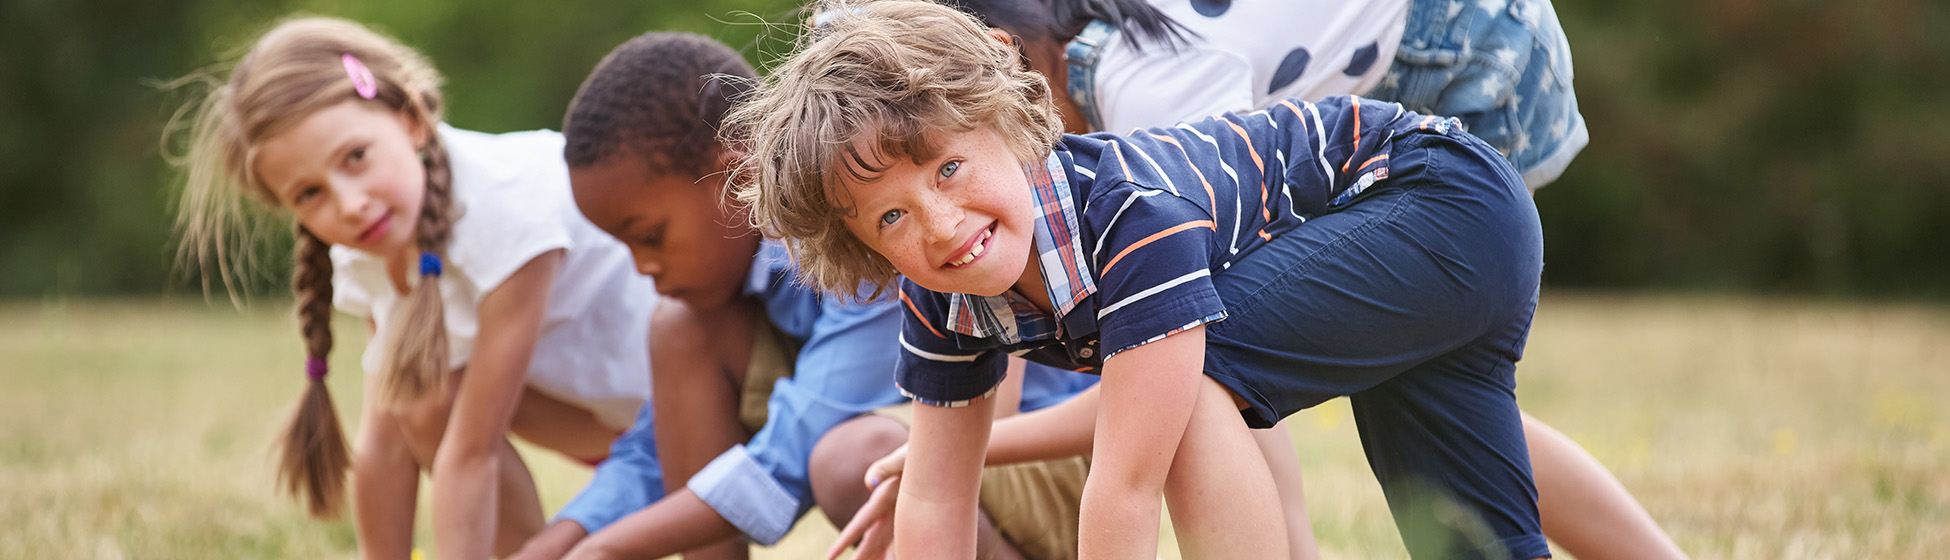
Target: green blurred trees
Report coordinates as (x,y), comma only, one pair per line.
(1785,147)
(1791,146)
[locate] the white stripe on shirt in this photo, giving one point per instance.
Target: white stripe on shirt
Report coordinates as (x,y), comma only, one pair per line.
(933,356)
(1154,167)
(1097,256)
(1154,290)
(1320,132)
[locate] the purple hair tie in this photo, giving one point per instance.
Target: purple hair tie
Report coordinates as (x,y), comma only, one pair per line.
(362,80)
(429,264)
(314,368)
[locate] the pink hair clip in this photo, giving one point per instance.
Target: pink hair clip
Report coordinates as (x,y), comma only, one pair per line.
(362,80)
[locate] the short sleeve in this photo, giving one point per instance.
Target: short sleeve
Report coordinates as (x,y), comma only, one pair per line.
(505,225)
(1154,275)
(934,368)
(1160,87)
(630,479)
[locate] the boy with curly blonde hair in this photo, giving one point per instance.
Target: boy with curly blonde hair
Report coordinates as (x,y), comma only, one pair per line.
(902,138)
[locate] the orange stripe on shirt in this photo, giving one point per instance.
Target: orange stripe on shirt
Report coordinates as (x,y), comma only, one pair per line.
(1365,164)
(1207,224)
(1120,160)
(1295,108)
(1212,198)
(1263,212)
(918,316)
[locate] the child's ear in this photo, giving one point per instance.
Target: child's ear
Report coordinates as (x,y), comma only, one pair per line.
(729,157)
(416,128)
(1001,36)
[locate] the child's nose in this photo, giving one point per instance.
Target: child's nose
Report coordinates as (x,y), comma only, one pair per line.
(648,266)
(943,218)
(352,200)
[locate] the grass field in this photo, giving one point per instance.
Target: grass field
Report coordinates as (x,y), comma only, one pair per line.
(1749,429)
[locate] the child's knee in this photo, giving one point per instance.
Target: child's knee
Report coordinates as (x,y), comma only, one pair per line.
(682,334)
(842,456)
(422,422)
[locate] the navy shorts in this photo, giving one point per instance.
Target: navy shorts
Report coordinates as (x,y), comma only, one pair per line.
(1414,299)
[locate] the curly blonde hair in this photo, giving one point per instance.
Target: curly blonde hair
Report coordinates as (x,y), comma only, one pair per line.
(291,72)
(895,69)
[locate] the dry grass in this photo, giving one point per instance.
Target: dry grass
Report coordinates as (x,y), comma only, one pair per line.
(1750,429)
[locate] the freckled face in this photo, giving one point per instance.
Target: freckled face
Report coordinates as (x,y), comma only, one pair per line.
(959,223)
(678,231)
(351,174)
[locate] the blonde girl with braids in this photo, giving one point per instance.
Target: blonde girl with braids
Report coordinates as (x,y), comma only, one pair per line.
(493,306)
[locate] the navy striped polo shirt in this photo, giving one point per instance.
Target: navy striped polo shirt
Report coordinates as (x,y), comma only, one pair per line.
(1131,229)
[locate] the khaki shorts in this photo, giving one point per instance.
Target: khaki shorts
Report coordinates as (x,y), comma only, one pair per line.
(773,355)
(1035,506)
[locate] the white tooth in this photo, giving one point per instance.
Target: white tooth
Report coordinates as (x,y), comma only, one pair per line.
(977,251)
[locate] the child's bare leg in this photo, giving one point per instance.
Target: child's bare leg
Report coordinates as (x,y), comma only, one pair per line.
(1584,508)
(520,504)
(839,467)
(385,483)
(840,460)
(1217,492)
(565,428)
(1276,443)
(699,360)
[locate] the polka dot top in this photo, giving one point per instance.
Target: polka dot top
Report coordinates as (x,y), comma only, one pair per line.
(1246,55)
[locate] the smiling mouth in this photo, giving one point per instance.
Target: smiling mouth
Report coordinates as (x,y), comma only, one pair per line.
(981,245)
(377,229)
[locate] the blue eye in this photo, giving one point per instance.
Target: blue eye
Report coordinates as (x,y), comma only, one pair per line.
(305,195)
(948,169)
(890,217)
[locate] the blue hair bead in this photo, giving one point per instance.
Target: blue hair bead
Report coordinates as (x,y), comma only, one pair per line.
(429,264)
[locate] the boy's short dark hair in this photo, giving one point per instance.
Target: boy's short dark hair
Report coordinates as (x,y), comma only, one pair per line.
(1063,20)
(661,97)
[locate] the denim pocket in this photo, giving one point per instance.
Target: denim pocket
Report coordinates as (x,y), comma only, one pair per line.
(1502,68)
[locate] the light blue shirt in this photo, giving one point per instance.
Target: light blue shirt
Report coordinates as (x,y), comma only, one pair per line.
(845,368)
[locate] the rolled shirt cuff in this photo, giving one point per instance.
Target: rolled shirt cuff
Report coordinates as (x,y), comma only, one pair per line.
(746,495)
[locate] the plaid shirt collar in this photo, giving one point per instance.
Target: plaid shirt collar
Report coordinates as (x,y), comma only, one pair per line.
(1059,251)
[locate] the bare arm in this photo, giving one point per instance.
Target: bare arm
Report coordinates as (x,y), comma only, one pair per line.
(1148,395)
(553,542)
(1008,397)
(465,469)
(937,517)
(1055,432)
(385,481)
(679,522)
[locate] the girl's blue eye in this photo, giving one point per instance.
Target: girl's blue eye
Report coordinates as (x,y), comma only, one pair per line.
(304,195)
(948,169)
(890,217)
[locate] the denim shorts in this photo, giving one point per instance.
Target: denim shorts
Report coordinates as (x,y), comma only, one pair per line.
(1503,67)
(1414,299)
